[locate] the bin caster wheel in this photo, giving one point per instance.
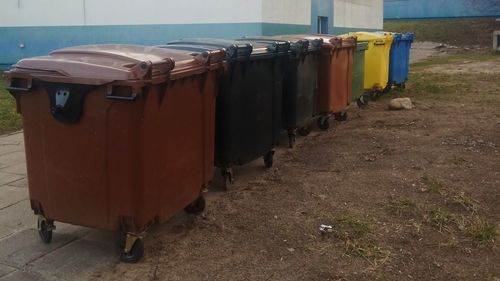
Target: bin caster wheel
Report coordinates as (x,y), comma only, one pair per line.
(131,248)
(323,123)
(269,159)
(305,131)
(292,137)
(45,228)
(376,95)
(341,116)
(387,88)
(362,101)
(227,177)
(196,207)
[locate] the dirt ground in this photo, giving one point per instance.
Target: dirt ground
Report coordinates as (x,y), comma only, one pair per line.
(410,195)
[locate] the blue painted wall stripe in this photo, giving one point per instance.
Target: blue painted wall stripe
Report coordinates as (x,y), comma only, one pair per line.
(420,9)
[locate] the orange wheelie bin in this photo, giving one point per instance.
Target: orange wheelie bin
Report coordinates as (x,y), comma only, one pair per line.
(334,78)
(118,137)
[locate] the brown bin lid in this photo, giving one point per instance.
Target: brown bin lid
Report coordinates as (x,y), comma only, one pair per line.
(101,64)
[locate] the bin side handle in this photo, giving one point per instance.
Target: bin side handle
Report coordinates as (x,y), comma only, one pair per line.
(111,96)
(19,89)
(379,42)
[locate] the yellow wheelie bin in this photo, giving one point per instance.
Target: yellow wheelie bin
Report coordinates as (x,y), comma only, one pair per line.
(377,58)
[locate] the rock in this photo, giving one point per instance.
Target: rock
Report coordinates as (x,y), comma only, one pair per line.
(400,103)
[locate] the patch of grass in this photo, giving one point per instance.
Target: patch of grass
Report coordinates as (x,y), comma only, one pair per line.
(458,32)
(372,253)
(469,204)
(349,228)
(431,184)
(402,207)
(482,231)
(440,219)
(481,89)
(9,119)
(458,161)
(459,56)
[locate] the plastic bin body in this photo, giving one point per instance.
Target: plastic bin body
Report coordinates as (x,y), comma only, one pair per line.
(399,66)
(133,142)
(377,56)
(335,75)
(358,71)
(300,80)
(249,101)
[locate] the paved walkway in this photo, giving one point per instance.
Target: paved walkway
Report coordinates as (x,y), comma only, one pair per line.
(76,253)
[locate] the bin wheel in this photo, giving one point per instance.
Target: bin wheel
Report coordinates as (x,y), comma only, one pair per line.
(323,123)
(269,159)
(341,116)
(136,251)
(305,131)
(362,102)
(292,137)
(387,88)
(375,95)
(196,207)
(45,228)
(402,85)
(227,177)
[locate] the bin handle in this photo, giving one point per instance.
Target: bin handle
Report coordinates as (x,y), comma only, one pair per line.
(19,89)
(109,95)
(379,42)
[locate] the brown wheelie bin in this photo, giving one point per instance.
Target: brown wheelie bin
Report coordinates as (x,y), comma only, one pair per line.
(334,78)
(117,137)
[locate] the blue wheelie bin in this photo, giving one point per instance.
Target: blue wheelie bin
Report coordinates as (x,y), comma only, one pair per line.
(399,65)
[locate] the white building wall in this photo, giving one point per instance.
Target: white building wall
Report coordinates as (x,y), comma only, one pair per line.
(127,12)
(359,13)
(286,11)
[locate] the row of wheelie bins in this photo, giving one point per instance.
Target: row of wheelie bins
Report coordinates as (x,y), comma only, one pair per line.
(120,137)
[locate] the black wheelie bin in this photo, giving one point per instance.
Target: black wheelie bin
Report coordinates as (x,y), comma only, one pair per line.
(249,101)
(300,83)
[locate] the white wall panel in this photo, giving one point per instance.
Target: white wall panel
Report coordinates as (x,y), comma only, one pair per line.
(113,12)
(127,12)
(286,11)
(359,13)
(41,12)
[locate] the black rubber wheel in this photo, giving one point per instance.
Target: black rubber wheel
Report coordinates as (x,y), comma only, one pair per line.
(387,88)
(45,231)
(375,95)
(197,207)
(227,178)
(269,159)
(135,254)
(323,123)
(362,101)
(291,140)
(305,131)
(341,116)
(402,85)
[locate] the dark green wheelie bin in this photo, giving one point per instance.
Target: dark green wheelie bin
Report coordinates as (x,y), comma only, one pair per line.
(249,101)
(358,75)
(300,83)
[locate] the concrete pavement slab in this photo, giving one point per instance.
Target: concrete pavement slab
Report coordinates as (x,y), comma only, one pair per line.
(12,158)
(21,276)
(6,270)
(23,183)
(6,178)
(25,246)
(10,195)
(18,169)
(82,259)
(18,216)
